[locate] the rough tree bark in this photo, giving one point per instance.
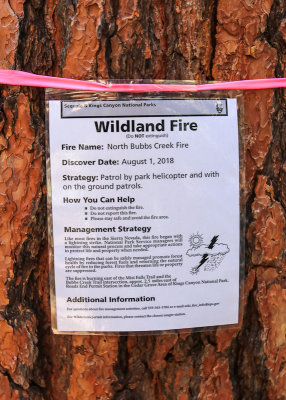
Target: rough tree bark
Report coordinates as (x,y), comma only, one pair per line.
(176,39)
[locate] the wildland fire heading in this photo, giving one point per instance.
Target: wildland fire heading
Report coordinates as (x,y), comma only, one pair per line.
(131,125)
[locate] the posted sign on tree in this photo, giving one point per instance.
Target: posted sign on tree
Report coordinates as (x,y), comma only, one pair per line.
(145,213)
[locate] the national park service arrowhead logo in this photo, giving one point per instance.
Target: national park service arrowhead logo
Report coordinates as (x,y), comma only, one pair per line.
(206,256)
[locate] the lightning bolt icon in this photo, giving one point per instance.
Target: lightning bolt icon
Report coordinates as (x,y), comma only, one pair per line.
(205,257)
(213,242)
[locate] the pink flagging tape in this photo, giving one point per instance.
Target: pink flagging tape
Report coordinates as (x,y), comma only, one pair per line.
(20,78)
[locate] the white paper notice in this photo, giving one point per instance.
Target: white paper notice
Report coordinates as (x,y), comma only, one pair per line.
(145,207)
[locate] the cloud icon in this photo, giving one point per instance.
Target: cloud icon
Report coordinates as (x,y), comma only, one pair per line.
(218,249)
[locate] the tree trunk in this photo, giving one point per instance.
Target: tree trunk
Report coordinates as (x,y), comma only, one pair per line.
(176,39)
